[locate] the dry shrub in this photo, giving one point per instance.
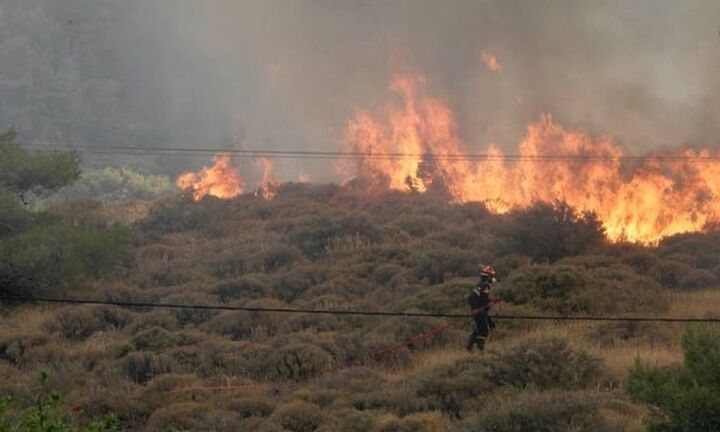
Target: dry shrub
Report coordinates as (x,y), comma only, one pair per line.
(547,411)
(298,360)
(161,318)
(192,316)
(613,333)
(14,346)
(251,406)
(543,363)
(358,421)
(245,287)
(699,279)
(155,339)
(452,387)
(300,416)
(142,366)
(192,416)
(399,399)
(423,422)
(79,322)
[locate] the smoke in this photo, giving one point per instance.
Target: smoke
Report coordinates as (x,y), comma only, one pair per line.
(288,74)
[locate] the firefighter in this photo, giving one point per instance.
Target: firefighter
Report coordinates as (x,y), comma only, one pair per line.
(480,299)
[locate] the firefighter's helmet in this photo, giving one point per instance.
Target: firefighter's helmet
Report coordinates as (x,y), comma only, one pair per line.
(488,272)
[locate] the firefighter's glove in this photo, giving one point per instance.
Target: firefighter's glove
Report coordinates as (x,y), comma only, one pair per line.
(491,323)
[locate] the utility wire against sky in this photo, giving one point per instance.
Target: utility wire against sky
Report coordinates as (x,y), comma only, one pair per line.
(353,155)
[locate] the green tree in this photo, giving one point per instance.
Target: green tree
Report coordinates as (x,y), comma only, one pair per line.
(22,172)
(689,395)
(39,251)
(549,231)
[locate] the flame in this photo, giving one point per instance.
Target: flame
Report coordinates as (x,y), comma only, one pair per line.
(267,187)
(221,180)
(640,200)
(491,62)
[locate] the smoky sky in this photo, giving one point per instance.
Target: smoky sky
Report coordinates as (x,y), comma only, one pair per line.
(287,74)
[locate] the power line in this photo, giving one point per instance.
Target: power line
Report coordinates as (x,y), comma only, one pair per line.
(355,155)
(354,312)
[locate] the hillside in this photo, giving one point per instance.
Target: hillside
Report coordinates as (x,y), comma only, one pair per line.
(329,247)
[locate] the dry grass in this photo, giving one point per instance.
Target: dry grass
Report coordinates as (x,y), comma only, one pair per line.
(704,303)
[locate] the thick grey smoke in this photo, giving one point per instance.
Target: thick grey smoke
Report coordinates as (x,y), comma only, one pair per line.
(288,74)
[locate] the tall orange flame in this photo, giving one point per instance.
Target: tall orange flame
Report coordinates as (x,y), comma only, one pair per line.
(220,180)
(641,200)
(267,187)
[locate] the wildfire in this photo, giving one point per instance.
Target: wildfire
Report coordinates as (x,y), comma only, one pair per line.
(639,200)
(268,184)
(221,180)
(491,62)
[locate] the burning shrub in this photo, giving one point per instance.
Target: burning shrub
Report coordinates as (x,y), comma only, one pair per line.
(299,416)
(298,361)
(543,363)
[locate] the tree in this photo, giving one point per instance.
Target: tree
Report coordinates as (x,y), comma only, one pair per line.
(22,172)
(549,231)
(689,395)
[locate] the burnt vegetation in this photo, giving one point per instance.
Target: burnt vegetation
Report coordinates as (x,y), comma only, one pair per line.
(329,247)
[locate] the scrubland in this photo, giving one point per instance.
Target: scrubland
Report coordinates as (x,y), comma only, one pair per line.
(327,247)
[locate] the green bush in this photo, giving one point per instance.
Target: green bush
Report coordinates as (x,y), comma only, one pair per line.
(547,232)
(453,388)
(47,414)
(690,395)
(438,264)
(543,363)
(299,416)
(58,256)
(557,288)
